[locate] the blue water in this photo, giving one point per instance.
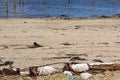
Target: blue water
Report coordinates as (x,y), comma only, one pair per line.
(58,8)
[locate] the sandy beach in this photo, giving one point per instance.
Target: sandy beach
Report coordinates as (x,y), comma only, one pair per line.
(92,40)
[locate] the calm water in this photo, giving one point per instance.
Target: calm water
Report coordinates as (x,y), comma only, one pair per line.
(58,8)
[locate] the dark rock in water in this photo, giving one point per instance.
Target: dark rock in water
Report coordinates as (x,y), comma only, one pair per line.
(63,15)
(77,58)
(117,15)
(103,16)
(66,18)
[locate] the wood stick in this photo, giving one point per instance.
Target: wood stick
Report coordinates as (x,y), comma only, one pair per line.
(113,66)
(50,64)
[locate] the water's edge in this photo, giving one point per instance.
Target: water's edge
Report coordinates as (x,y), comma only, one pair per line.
(59,8)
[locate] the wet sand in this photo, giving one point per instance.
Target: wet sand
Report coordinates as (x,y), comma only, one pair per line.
(91,40)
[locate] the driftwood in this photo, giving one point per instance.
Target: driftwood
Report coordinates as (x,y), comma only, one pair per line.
(112,66)
(96,67)
(6,71)
(6,63)
(93,68)
(102,67)
(50,64)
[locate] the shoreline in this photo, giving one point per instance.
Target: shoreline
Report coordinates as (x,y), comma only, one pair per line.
(63,17)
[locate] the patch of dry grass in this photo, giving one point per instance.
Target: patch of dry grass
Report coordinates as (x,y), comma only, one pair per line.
(108,75)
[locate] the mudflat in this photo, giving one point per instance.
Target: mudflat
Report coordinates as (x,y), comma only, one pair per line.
(62,40)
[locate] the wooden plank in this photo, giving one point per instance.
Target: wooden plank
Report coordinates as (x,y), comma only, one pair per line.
(105,67)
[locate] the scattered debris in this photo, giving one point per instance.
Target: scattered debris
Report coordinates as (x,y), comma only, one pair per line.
(6,71)
(51,47)
(99,55)
(1,60)
(77,27)
(62,34)
(25,22)
(104,43)
(23,31)
(92,43)
(4,46)
(6,63)
(60,57)
(116,60)
(97,60)
(117,42)
(55,29)
(76,55)
(21,48)
(67,43)
(35,45)
(77,58)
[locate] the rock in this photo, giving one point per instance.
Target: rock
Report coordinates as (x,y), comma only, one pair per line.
(24,73)
(68,73)
(85,75)
(72,77)
(80,67)
(35,45)
(46,70)
(41,71)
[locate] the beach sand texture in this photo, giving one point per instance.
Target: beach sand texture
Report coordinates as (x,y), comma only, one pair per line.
(89,39)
